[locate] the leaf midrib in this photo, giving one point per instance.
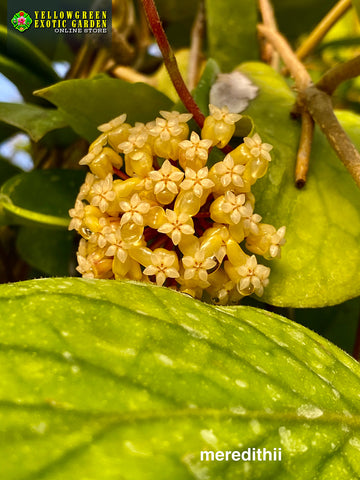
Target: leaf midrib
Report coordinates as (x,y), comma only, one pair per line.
(275,380)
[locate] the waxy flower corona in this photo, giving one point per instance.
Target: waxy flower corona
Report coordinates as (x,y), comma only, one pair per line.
(153,210)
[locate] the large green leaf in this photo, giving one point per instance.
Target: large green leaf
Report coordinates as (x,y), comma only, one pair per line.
(34,120)
(105,380)
(321,259)
(41,197)
(231,31)
(87,103)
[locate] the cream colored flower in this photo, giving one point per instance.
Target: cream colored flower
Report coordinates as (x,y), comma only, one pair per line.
(197,181)
(277,241)
(165,129)
(229,173)
(77,215)
(170,126)
(176,116)
(195,147)
(138,136)
(117,245)
(114,123)
(84,265)
(163,266)
(167,178)
(197,266)
(257,148)
(233,204)
(91,156)
(102,193)
(176,226)
(254,277)
(223,114)
(250,220)
(134,210)
(86,186)
(99,237)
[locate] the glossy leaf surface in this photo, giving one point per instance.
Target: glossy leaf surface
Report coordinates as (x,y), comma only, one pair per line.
(41,197)
(108,380)
(87,103)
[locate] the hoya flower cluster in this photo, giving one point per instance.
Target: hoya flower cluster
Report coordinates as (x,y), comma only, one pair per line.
(152,210)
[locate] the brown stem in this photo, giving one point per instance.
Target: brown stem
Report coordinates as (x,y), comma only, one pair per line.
(130,75)
(197,36)
(304,151)
(296,68)
(170,61)
(322,28)
(268,18)
(338,74)
(319,105)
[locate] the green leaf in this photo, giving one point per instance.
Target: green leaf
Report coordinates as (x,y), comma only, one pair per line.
(87,103)
(320,261)
(108,380)
(24,64)
(231,32)
(32,119)
(41,197)
(50,251)
(25,80)
(7,170)
(24,53)
(202,91)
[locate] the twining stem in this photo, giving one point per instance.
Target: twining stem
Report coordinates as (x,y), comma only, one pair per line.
(319,105)
(270,55)
(304,151)
(170,61)
(322,28)
(296,68)
(344,71)
(131,75)
(197,37)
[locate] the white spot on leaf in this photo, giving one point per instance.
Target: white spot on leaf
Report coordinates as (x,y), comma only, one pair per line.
(40,428)
(309,411)
(238,410)
(355,442)
(241,383)
(209,437)
(164,359)
(290,442)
